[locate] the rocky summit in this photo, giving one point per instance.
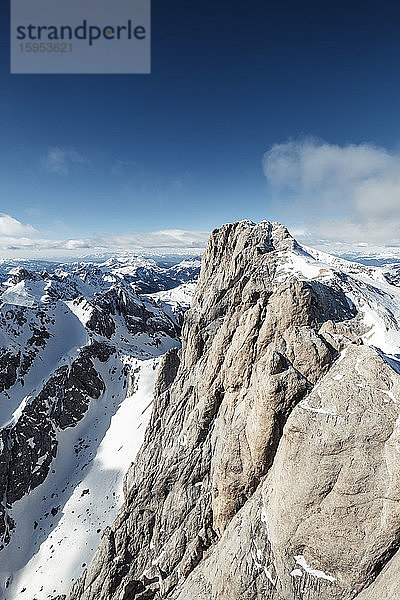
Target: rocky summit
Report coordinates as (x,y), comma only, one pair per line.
(269,468)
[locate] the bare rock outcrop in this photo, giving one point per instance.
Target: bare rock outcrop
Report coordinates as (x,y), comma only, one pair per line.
(325,520)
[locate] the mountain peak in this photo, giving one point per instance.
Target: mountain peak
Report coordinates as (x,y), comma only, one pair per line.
(271,434)
(254,394)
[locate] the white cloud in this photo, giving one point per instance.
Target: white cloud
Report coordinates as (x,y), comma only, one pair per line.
(60,161)
(345,193)
(11,227)
(17,239)
(76,244)
(174,238)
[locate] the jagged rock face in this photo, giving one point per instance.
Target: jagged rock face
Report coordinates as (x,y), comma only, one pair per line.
(140,316)
(28,446)
(260,351)
(20,274)
(16,363)
(268,469)
(392,274)
(9,363)
(326,519)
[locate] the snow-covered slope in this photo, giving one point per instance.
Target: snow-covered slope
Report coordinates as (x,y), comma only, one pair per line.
(59,524)
(33,343)
(176,301)
(376,300)
(79,350)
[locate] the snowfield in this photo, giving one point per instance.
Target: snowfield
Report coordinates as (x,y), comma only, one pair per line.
(59,524)
(66,335)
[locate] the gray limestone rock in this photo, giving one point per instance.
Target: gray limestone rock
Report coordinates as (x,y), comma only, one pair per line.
(269,468)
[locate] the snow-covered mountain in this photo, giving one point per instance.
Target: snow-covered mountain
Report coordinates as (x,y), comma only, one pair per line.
(79,347)
(37,280)
(277,333)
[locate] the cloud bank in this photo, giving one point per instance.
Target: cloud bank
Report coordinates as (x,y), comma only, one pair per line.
(19,240)
(328,195)
(345,193)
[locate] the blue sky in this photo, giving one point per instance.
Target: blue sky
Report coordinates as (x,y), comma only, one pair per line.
(244,103)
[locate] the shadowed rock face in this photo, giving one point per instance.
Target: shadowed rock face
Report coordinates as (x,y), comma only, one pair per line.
(27,448)
(15,364)
(269,467)
(139,316)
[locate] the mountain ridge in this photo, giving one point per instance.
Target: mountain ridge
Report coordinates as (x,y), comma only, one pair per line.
(268,326)
(289,365)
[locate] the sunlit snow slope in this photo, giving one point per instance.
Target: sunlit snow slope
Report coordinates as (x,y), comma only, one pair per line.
(79,349)
(59,524)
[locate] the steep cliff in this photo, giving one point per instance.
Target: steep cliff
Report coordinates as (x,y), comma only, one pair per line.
(269,469)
